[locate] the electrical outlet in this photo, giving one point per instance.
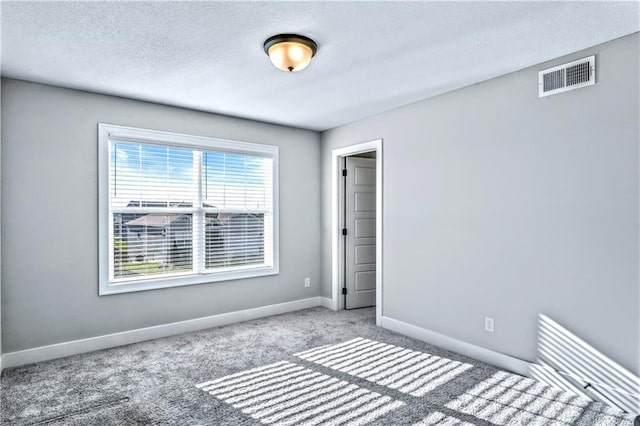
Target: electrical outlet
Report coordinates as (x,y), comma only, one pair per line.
(307,282)
(488,324)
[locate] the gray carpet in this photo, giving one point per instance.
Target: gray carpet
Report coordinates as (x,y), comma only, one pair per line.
(308,367)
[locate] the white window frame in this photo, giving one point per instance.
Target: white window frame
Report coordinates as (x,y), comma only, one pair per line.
(110,132)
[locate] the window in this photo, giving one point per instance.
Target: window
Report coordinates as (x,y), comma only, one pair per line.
(178,210)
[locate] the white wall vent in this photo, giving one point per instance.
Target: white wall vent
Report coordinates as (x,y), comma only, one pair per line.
(569,76)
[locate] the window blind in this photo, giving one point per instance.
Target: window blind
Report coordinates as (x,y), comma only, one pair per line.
(177,211)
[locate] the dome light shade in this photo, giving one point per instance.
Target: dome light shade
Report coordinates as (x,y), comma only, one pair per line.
(290,52)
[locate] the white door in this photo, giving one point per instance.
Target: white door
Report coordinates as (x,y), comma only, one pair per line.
(360,241)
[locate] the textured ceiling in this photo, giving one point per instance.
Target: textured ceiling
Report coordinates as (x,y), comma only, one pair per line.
(372,57)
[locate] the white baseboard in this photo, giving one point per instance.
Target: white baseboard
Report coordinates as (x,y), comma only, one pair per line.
(59,350)
(488,356)
(327,303)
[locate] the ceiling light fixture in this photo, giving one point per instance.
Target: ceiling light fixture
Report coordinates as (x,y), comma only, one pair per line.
(290,52)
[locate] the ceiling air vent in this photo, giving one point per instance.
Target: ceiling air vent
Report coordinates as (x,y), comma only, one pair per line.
(572,75)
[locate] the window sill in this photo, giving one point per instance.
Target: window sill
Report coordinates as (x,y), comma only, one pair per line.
(107,289)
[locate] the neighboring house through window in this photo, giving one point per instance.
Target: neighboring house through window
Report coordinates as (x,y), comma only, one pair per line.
(178,210)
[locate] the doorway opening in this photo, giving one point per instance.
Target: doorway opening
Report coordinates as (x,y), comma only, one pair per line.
(357,227)
(358,213)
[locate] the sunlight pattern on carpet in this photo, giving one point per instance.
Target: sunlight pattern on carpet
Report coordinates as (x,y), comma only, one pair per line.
(508,399)
(440,419)
(411,372)
(284,393)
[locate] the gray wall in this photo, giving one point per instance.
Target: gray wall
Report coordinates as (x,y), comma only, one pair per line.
(50,218)
(0,227)
(499,203)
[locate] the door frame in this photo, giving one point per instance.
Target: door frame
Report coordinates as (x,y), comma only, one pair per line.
(337,200)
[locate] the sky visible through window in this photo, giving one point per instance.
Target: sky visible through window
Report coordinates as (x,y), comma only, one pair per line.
(158,173)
